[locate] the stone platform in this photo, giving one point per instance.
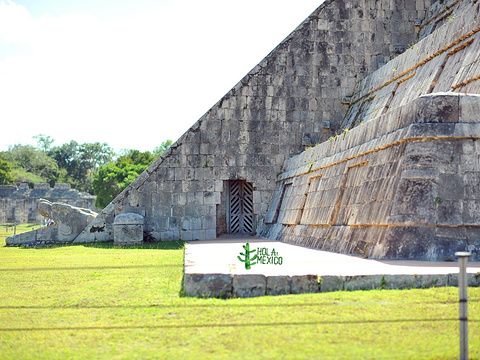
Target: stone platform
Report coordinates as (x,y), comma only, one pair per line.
(213,269)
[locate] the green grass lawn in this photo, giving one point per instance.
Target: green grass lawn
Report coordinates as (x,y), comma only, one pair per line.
(106,302)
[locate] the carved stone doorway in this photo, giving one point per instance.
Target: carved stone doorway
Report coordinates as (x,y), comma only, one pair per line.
(240,217)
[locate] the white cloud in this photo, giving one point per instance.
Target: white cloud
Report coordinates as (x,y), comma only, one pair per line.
(15,22)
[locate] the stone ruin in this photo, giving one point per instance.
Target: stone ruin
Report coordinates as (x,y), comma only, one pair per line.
(20,203)
(359,133)
(68,222)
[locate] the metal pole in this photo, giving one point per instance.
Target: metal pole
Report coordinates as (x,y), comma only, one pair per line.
(463,305)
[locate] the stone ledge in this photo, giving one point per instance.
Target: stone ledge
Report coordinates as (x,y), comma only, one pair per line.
(208,285)
(241,286)
(390,282)
(419,119)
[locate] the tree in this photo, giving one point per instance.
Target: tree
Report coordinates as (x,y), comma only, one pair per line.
(159,150)
(137,157)
(6,176)
(31,165)
(44,142)
(110,180)
(81,161)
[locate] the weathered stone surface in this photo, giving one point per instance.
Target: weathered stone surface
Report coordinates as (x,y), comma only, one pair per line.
(278,285)
(208,285)
(331,283)
(414,281)
(429,281)
(363,282)
(69,221)
(407,200)
(223,286)
(415,197)
(432,129)
(437,108)
(372,282)
(451,186)
(399,282)
(304,284)
(472,280)
(249,285)
(128,229)
(25,238)
(20,203)
(469,109)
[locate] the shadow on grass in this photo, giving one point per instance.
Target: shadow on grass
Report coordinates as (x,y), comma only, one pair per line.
(159,245)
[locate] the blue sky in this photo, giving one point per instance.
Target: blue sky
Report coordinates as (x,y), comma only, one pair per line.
(131,73)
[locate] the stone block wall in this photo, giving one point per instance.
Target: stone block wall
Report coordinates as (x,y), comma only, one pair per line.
(402,191)
(445,61)
(290,100)
(20,204)
(399,181)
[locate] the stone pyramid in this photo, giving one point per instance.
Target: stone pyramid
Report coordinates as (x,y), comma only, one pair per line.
(358,133)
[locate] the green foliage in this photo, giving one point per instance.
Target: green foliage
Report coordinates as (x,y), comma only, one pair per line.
(44,142)
(80,162)
(31,165)
(159,150)
(23,176)
(111,179)
(383,282)
(6,176)
(136,157)
(76,164)
(101,301)
(310,165)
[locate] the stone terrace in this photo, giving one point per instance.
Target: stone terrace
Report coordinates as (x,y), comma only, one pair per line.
(400,181)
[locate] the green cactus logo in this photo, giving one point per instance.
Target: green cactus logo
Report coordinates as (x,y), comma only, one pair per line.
(261,255)
(247,259)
